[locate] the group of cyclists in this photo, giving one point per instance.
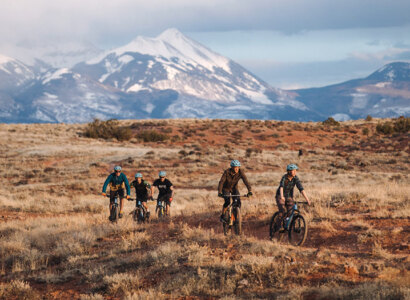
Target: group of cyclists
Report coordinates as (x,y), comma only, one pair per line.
(227,188)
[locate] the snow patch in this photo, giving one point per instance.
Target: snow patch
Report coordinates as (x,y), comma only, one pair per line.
(55,75)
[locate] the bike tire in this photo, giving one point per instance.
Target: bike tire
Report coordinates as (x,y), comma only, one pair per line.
(238,221)
(274,228)
(114,213)
(298,230)
(140,215)
(160,212)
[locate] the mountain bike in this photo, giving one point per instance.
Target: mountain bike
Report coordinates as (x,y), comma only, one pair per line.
(292,223)
(232,216)
(114,211)
(140,214)
(161,209)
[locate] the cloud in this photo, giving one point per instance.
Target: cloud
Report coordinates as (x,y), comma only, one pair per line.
(102,20)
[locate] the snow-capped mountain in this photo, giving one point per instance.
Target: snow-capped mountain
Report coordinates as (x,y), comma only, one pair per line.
(384,93)
(206,82)
(14,76)
(173,76)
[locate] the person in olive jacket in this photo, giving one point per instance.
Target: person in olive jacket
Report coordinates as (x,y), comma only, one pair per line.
(228,185)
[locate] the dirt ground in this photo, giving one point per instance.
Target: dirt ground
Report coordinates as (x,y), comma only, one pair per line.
(57,242)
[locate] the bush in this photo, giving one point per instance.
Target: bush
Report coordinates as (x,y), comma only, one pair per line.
(107,130)
(152,136)
(369,118)
(399,125)
(365,131)
(331,122)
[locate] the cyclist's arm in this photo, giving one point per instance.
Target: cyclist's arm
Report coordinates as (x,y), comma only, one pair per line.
(305,196)
(221,182)
(172,191)
(245,181)
(281,193)
(127,185)
(107,181)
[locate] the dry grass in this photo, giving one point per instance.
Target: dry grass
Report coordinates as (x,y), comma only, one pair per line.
(54,229)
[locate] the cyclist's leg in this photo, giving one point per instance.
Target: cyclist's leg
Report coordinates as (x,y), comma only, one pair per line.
(121,196)
(289,202)
(227,200)
(236,192)
(282,210)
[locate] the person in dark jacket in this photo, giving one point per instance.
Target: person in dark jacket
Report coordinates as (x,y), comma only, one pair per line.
(141,191)
(117,180)
(284,193)
(228,185)
(165,189)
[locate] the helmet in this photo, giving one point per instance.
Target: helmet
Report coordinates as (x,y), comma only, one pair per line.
(117,168)
(138,175)
(162,174)
(291,167)
(235,163)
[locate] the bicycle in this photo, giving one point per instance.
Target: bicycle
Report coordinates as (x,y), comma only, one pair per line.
(292,222)
(139,214)
(232,216)
(161,209)
(114,210)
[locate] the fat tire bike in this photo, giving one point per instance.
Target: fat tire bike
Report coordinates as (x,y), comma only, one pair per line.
(140,213)
(292,223)
(232,216)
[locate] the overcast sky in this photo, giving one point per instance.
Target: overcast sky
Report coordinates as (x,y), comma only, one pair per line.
(288,43)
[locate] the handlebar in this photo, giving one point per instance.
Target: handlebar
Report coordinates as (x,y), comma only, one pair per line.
(301,202)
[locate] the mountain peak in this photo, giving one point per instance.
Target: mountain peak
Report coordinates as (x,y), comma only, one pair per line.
(5,59)
(397,71)
(170,34)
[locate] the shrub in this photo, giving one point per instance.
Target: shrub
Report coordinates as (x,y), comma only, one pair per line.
(399,125)
(107,130)
(152,136)
(369,118)
(331,122)
(365,131)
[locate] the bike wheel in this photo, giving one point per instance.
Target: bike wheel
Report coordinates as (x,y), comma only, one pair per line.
(275,227)
(238,221)
(298,230)
(114,213)
(160,212)
(140,215)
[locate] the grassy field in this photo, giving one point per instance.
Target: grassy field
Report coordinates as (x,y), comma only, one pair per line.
(57,243)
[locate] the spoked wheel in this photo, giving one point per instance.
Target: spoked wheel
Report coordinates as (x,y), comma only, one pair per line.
(238,221)
(298,230)
(275,227)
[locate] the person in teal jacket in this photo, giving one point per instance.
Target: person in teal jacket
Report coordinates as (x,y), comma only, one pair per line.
(117,180)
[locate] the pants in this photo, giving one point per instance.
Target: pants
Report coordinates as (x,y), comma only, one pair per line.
(119,192)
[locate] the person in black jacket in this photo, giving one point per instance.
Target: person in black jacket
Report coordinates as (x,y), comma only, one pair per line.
(284,193)
(165,189)
(142,188)
(229,185)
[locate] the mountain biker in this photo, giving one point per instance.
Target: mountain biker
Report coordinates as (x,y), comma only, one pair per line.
(166,190)
(229,185)
(117,180)
(284,193)
(141,191)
